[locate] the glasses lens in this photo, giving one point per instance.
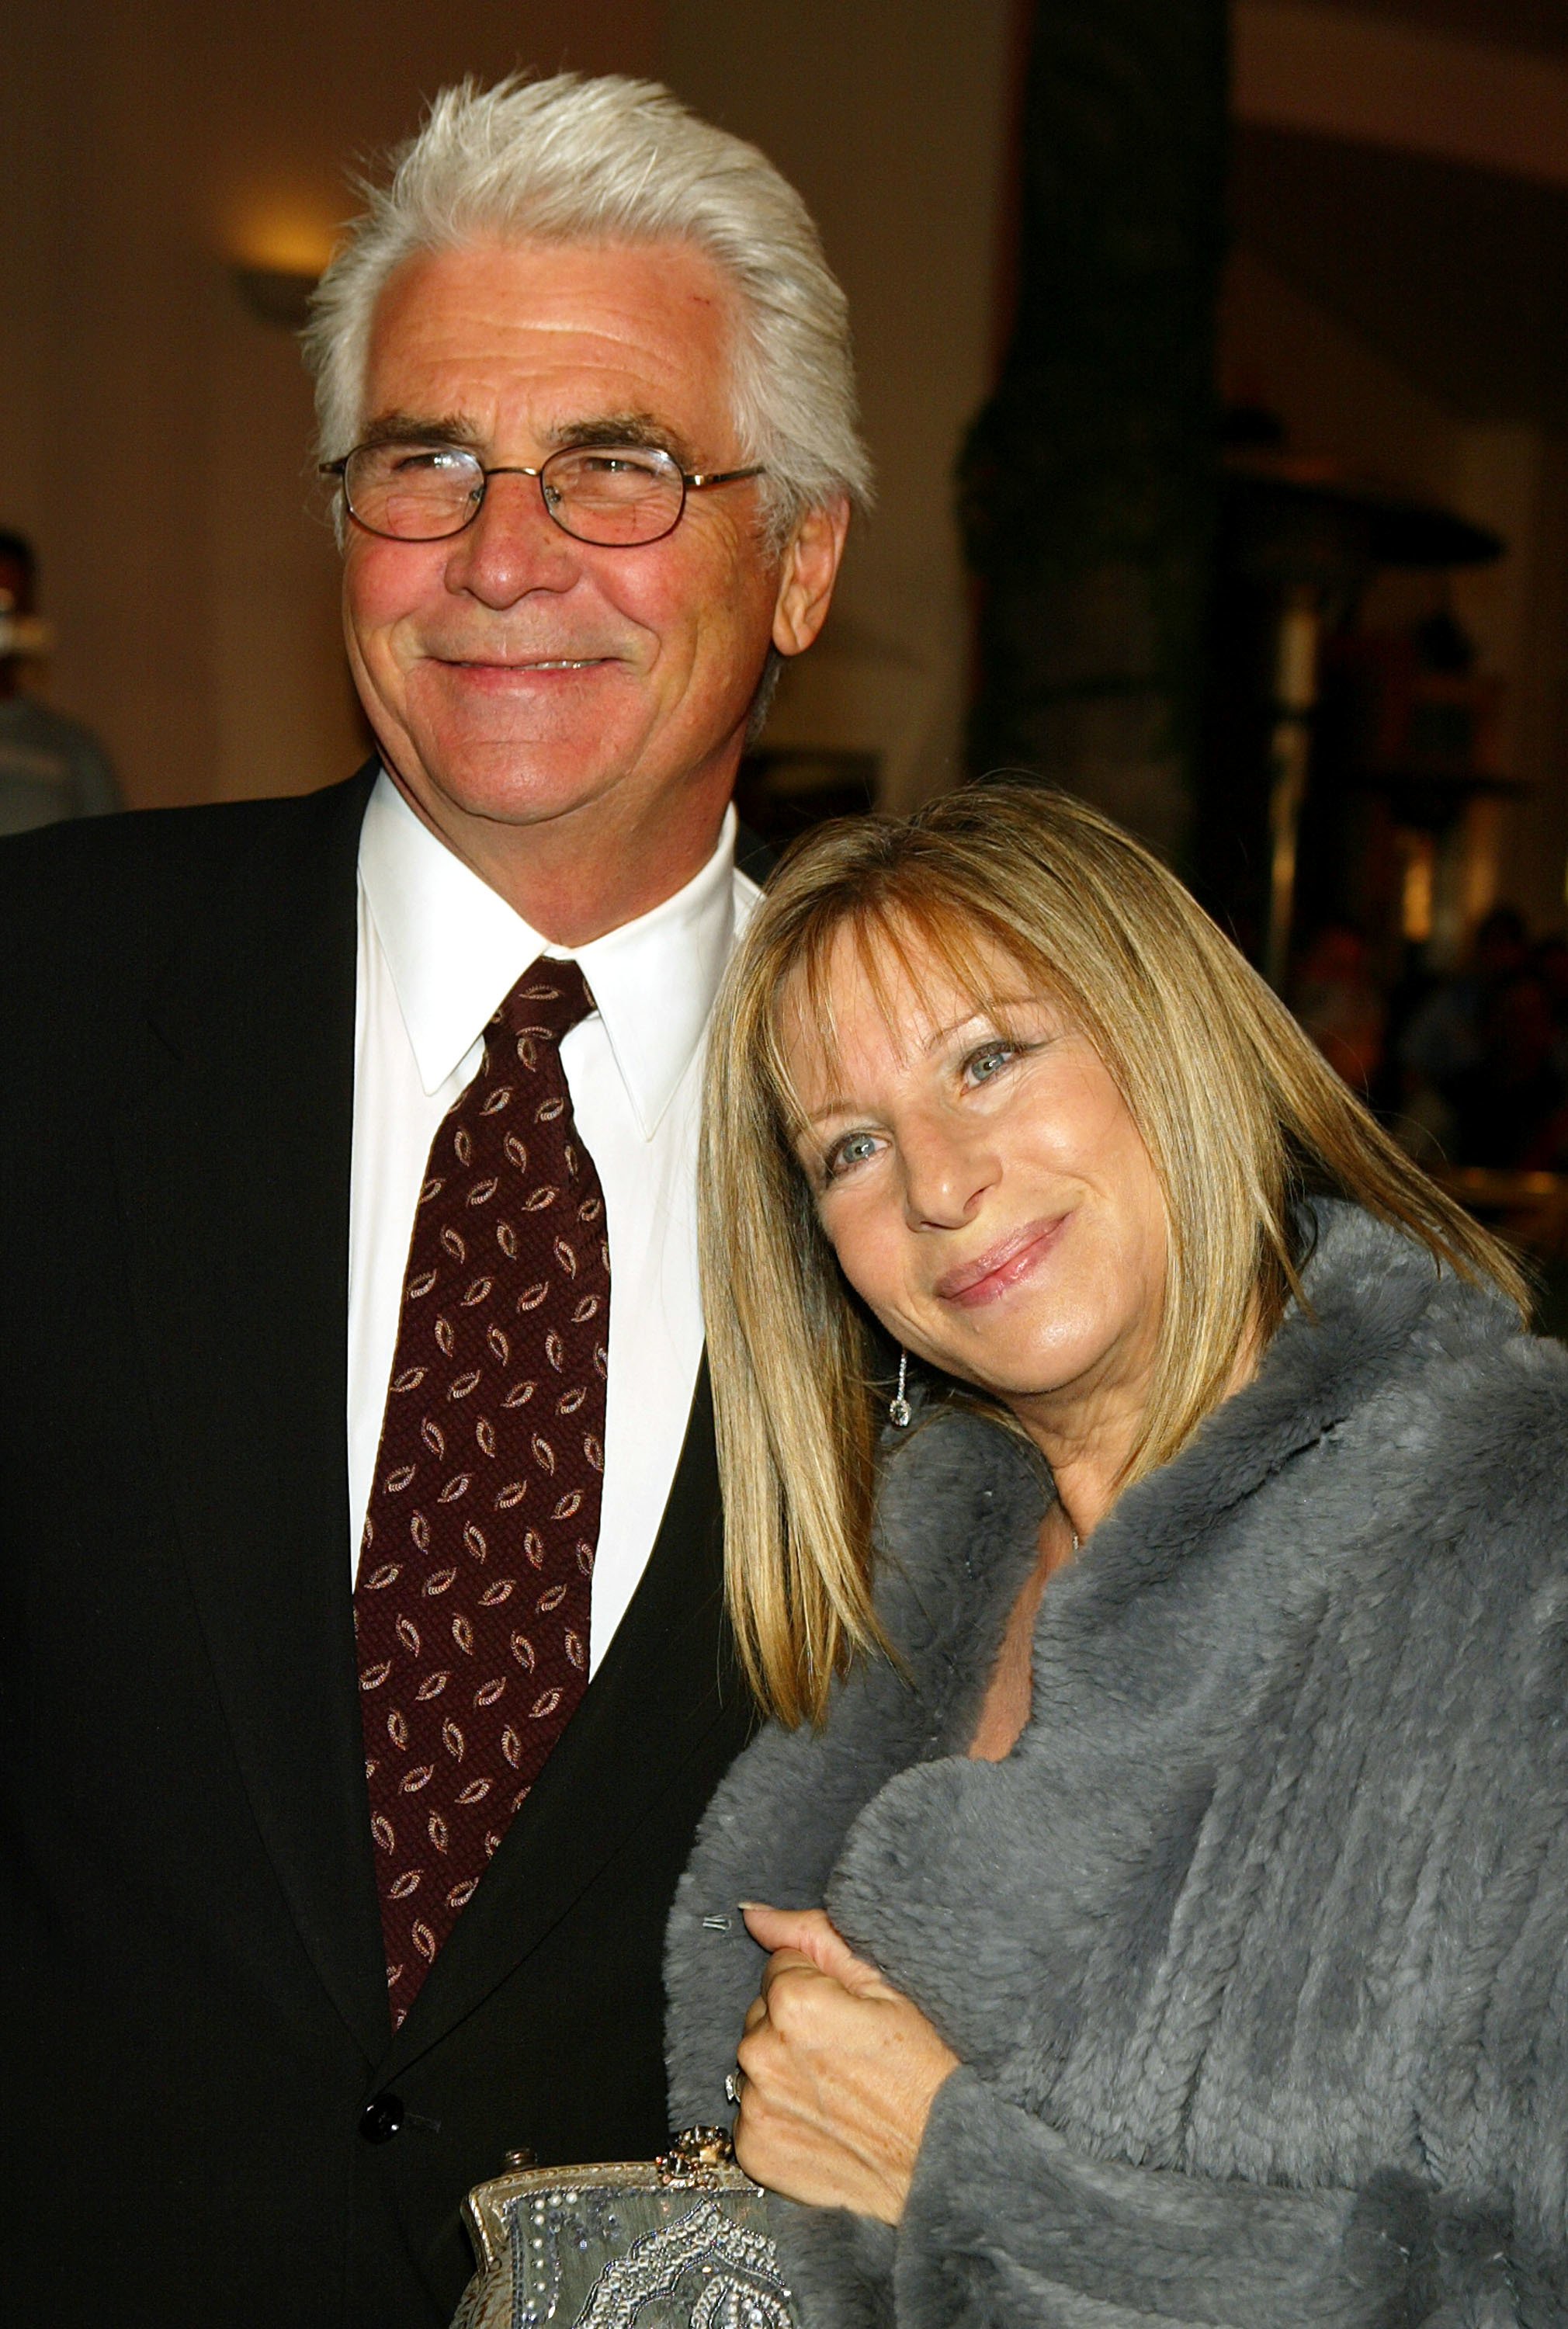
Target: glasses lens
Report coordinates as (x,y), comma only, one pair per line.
(414,493)
(613,495)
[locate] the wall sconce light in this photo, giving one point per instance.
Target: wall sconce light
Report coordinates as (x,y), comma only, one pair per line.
(279,295)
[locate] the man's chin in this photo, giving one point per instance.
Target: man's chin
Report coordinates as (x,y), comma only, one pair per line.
(507,782)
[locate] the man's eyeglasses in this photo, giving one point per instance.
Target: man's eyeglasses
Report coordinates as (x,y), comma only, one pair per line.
(619,497)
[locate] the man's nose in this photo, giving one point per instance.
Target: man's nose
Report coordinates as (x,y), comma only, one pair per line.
(512,546)
(946,1175)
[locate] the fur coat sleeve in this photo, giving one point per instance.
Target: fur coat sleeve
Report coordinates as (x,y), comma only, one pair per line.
(1254,1951)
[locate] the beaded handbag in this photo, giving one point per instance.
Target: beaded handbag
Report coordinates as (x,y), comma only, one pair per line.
(677,2242)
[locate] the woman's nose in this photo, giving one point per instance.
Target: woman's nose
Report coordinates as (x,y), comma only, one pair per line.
(945,1178)
(512,546)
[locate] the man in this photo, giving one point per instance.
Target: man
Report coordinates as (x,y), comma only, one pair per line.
(349,1149)
(49,767)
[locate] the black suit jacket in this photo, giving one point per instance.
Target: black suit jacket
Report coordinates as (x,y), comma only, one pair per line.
(196,2017)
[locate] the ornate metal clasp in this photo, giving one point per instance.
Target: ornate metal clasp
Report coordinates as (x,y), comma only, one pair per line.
(693,2154)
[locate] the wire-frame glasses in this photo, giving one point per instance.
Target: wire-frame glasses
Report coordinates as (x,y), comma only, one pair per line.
(617,496)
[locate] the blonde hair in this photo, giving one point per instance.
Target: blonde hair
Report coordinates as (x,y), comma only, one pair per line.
(1240,1115)
(612,160)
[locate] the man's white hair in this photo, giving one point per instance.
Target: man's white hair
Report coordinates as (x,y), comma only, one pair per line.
(612,160)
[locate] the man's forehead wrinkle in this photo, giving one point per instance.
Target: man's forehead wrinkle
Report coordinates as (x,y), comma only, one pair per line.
(551,352)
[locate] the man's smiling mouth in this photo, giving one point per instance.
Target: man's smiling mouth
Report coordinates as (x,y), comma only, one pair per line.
(528,662)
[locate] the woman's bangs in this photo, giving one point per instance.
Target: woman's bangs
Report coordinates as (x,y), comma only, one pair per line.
(898,939)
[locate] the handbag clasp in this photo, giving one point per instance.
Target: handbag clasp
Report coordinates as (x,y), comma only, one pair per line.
(693,2154)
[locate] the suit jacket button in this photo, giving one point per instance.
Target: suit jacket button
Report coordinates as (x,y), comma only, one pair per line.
(381,2119)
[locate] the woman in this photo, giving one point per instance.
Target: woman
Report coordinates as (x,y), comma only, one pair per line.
(1163,1836)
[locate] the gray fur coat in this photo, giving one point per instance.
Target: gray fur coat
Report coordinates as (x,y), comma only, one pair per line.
(1254,1951)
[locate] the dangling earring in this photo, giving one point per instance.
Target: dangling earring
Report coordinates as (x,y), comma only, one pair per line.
(898,1411)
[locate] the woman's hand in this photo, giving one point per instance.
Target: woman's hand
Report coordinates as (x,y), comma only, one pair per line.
(840,2072)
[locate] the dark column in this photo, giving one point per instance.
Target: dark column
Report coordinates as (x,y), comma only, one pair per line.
(1089,480)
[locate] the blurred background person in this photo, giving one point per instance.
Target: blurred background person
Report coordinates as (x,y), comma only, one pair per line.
(1340,1004)
(1444,1038)
(1505,1103)
(51,767)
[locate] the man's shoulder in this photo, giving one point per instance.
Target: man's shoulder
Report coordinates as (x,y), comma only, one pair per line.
(212,832)
(133,862)
(100,901)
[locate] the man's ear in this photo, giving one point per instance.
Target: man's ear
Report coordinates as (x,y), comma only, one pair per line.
(807,574)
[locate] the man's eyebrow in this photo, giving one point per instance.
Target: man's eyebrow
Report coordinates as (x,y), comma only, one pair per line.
(638,431)
(421,429)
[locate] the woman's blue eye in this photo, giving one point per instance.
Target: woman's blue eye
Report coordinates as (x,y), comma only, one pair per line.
(854,1150)
(985,1064)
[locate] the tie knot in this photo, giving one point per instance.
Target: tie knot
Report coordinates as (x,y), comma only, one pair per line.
(547,1002)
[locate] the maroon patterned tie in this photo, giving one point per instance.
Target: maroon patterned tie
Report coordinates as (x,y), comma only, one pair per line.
(472,1605)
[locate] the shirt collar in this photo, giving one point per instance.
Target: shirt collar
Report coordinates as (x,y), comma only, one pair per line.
(455,948)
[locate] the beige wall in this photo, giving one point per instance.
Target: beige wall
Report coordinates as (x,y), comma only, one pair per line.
(892,118)
(154,436)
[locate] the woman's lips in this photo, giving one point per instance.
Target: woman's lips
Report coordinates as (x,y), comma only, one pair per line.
(1002,1266)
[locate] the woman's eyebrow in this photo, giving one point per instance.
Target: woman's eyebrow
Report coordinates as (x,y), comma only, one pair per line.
(839,1105)
(992,1013)
(989,1013)
(940,1035)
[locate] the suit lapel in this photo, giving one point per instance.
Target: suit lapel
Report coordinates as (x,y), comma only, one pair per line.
(234,1166)
(664,1684)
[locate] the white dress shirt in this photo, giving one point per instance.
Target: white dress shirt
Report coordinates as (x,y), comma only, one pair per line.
(438,950)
